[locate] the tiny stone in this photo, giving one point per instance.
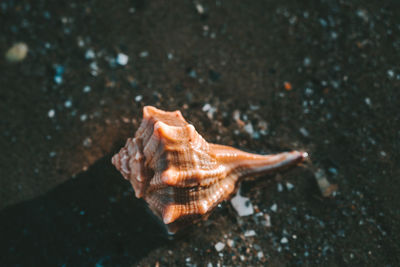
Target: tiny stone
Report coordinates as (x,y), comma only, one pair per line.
(144,54)
(138,98)
(274,207)
(219,246)
(200,8)
(17,52)
(368,101)
(250,233)
(333,170)
(51,113)
(279,187)
(68,103)
(52,154)
(249,128)
(267,222)
(306,61)
(230,243)
(284,240)
(260,255)
(86,89)
(90,54)
(289,186)
(390,73)
(58,79)
(242,205)
(170,56)
(87,142)
(83,117)
(122,59)
(304,132)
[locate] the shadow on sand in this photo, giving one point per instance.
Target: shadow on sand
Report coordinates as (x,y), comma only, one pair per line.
(93,219)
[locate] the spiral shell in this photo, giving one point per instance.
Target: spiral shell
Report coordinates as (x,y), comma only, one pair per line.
(180,175)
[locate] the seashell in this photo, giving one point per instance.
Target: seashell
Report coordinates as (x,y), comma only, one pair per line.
(180,175)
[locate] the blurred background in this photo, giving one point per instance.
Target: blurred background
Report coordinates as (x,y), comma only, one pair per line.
(264,76)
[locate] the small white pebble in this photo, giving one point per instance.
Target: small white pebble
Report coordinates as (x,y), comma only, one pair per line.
(390,73)
(17,52)
(83,117)
(138,98)
(122,59)
(230,243)
(68,104)
(90,54)
(279,187)
(250,233)
(289,186)
(86,89)
(52,154)
(274,207)
(368,101)
(249,128)
(170,56)
(304,132)
(267,222)
(51,113)
(87,142)
(219,246)
(144,54)
(200,8)
(284,240)
(260,255)
(242,205)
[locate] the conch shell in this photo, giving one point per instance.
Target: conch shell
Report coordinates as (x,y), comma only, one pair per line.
(180,175)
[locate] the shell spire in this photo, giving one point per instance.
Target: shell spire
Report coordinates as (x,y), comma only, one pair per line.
(180,175)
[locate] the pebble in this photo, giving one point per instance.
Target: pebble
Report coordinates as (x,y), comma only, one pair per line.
(51,113)
(249,128)
(304,132)
(17,52)
(83,117)
(250,233)
(230,243)
(279,187)
(68,104)
(219,246)
(274,207)
(86,89)
(87,142)
(144,54)
(138,98)
(90,54)
(122,59)
(284,240)
(242,205)
(199,8)
(267,221)
(289,186)
(390,73)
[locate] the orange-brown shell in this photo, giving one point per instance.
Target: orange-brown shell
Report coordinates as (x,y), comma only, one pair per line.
(179,174)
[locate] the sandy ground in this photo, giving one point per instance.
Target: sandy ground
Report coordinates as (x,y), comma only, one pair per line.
(320,76)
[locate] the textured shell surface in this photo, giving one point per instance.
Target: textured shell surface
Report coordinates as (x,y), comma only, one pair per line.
(180,175)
